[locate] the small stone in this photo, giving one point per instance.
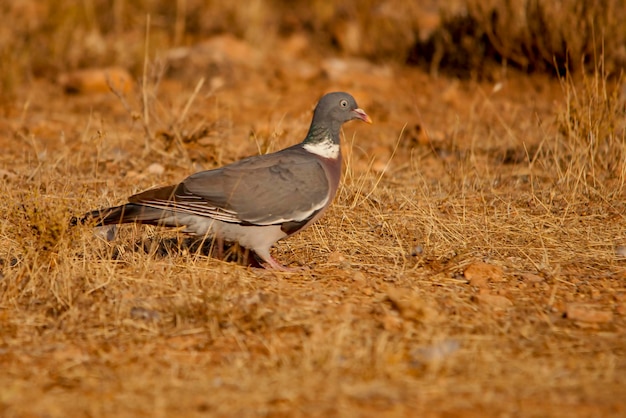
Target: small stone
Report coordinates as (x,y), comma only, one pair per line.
(217,83)
(144,314)
(106,233)
(481,282)
(97,80)
(359,278)
(299,69)
(220,55)
(156,169)
(4,174)
(417,135)
(367,291)
(412,306)
(347,70)
(336,257)
(380,166)
(480,274)
(587,313)
(532,278)
(392,322)
(381,152)
(494,301)
(296,46)
(218,50)
(349,36)
(115,155)
(437,352)
(305,71)
(452,95)
(620,251)
(417,251)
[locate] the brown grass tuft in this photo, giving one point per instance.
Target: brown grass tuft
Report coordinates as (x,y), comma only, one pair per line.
(44,227)
(590,151)
(533,35)
(47,39)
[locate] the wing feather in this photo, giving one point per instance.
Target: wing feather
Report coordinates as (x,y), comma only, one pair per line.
(262,190)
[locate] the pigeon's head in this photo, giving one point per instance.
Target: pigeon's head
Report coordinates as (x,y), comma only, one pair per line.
(339,107)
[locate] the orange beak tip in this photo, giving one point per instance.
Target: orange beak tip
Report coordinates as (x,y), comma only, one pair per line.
(360,113)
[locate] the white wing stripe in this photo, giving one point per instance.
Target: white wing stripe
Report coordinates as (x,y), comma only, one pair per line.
(225,215)
(195,209)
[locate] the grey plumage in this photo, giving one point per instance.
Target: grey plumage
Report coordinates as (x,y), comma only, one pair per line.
(258,200)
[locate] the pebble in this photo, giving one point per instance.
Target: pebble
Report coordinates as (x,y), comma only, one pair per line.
(106,233)
(533,278)
(156,169)
(412,306)
(4,174)
(480,274)
(337,258)
(437,351)
(494,301)
(218,50)
(300,70)
(380,167)
(359,278)
(350,69)
(296,46)
(144,314)
(97,80)
(587,313)
(349,36)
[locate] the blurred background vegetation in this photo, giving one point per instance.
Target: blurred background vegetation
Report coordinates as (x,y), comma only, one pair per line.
(41,38)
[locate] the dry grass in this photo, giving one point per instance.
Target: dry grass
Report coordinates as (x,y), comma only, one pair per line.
(591,149)
(44,39)
(526,175)
(541,35)
(532,35)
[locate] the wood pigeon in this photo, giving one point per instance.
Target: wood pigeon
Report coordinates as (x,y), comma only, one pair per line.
(256,201)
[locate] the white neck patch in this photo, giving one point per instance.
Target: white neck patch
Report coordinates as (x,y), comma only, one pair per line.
(325,149)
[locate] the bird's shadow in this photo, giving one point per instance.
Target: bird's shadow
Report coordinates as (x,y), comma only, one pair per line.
(167,247)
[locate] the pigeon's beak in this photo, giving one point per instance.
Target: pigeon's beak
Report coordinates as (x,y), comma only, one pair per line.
(360,114)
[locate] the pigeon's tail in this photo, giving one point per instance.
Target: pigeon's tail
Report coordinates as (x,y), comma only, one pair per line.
(128,213)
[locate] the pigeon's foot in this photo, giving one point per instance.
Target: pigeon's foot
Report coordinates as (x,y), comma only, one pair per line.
(220,247)
(270,263)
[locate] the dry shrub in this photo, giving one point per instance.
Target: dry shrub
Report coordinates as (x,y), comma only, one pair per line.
(458,46)
(373,29)
(590,148)
(378,30)
(38,248)
(44,38)
(539,34)
(533,35)
(40,228)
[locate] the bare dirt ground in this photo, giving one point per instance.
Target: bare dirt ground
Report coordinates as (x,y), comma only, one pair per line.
(470,266)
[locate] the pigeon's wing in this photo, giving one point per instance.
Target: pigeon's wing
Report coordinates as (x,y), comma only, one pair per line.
(262,190)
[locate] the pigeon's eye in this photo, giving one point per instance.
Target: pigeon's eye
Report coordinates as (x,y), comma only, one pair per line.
(343,103)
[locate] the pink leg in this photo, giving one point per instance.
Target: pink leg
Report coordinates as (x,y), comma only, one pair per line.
(219,241)
(271,263)
(275,265)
